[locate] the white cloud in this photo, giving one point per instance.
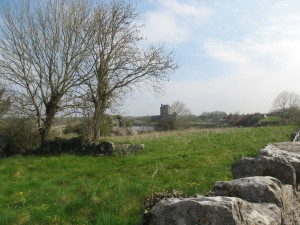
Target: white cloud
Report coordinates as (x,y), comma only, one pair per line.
(227,52)
(264,63)
(174,21)
(274,46)
(190,9)
(163,27)
(283,54)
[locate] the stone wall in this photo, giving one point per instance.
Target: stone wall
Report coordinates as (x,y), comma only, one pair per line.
(265,191)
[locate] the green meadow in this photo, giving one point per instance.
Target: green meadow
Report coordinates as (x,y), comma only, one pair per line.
(111,190)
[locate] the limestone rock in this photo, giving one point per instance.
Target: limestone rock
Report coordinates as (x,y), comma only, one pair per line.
(214,211)
(289,151)
(256,189)
(277,167)
(263,190)
(292,148)
(291,206)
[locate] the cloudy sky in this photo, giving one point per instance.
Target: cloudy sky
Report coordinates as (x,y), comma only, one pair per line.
(235,55)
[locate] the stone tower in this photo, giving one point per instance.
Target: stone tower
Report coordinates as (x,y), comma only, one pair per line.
(164,111)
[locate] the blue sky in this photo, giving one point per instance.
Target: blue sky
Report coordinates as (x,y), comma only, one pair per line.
(234,55)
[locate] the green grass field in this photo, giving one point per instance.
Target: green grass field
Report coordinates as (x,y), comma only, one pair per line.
(111,190)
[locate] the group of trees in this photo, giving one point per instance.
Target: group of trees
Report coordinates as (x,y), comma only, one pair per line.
(287,105)
(75,56)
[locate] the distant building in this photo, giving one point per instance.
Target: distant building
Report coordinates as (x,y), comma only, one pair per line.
(165,113)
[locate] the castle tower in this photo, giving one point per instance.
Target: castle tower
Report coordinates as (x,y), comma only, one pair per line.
(164,111)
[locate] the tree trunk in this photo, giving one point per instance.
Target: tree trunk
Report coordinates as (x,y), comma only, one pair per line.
(100,100)
(98,119)
(96,124)
(45,131)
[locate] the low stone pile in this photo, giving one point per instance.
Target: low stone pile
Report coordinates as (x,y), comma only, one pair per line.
(264,192)
(109,148)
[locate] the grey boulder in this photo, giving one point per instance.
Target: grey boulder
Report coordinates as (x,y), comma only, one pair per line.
(214,211)
(277,167)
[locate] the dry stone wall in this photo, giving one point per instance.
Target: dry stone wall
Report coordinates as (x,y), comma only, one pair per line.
(265,191)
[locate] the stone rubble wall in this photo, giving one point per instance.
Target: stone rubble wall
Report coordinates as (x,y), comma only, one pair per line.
(265,191)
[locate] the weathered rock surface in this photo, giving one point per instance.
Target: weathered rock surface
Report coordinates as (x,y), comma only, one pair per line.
(214,211)
(252,189)
(290,151)
(253,200)
(292,147)
(263,190)
(277,167)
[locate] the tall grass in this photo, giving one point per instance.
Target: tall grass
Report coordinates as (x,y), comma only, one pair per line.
(69,189)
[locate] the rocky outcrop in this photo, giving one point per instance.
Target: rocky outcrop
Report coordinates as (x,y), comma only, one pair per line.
(245,201)
(263,190)
(109,148)
(289,151)
(214,211)
(253,189)
(263,193)
(277,167)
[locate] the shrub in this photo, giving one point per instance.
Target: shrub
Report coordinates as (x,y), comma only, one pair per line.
(19,136)
(75,127)
(166,125)
(244,120)
(60,145)
(84,128)
(122,131)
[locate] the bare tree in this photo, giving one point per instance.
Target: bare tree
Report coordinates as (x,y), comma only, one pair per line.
(286,103)
(42,47)
(120,64)
(180,109)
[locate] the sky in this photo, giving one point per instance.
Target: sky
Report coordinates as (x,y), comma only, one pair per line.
(235,55)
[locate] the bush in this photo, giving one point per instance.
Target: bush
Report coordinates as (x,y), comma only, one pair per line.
(19,136)
(63,145)
(84,127)
(244,120)
(122,131)
(75,127)
(166,125)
